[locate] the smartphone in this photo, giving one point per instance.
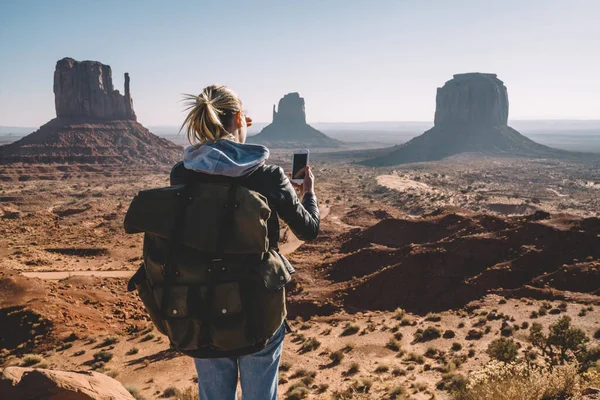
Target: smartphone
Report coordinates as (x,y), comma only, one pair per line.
(298,165)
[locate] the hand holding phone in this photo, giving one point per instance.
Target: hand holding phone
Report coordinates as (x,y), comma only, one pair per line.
(301,176)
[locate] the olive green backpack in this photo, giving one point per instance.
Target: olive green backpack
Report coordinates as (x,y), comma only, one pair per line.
(209,280)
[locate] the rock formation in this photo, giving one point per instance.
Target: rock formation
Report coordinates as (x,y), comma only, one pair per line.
(291,110)
(471,116)
(472,100)
(28,383)
(289,127)
(85,89)
(95,124)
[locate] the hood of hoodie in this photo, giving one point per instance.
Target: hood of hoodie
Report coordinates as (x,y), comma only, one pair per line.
(225,157)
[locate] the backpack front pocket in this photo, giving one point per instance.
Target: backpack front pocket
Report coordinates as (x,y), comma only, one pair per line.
(229,323)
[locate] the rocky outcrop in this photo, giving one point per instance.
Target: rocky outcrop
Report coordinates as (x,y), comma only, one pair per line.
(95,124)
(291,110)
(85,89)
(472,99)
(289,127)
(80,141)
(471,116)
(44,384)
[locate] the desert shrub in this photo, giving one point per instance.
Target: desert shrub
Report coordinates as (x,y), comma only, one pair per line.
(171,391)
(461,325)
(399,314)
(336,357)
(71,338)
(350,329)
(132,351)
(502,301)
(563,343)
(148,337)
(31,359)
(597,334)
(322,388)
(418,358)
(297,391)
(456,346)
(188,394)
(285,366)
(79,353)
(452,382)
(554,311)
(448,334)
(433,317)
(431,352)
(65,346)
(502,381)
(381,368)
(503,350)
(363,385)
(348,347)
(525,325)
(393,345)
(397,392)
(103,356)
(398,335)
(507,330)
(305,326)
(430,333)
(471,353)
(109,340)
(399,372)
(134,391)
(354,368)
(300,373)
(481,321)
(310,345)
(474,334)
(307,380)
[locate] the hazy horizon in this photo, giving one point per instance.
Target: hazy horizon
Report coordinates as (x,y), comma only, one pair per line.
(351,61)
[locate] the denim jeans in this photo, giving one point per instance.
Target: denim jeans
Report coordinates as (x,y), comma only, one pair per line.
(218,377)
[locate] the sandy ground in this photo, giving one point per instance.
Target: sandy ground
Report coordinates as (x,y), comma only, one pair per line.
(449,242)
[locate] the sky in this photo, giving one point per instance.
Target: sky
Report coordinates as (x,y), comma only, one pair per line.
(351,60)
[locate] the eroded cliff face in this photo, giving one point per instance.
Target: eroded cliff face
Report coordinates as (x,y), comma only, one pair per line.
(85,89)
(472,99)
(291,110)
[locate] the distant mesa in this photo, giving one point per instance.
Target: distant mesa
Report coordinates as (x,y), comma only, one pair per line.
(289,127)
(94,124)
(471,116)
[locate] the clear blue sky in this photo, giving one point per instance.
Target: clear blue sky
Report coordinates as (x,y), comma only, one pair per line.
(351,60)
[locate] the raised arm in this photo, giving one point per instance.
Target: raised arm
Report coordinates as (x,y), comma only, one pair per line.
(302,217)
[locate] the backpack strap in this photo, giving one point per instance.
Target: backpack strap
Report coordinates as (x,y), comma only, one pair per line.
(226,225)
(168,271)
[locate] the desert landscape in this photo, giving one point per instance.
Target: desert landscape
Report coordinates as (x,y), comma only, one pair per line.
(427,275)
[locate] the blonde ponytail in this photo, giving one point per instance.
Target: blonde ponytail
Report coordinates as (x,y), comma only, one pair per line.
(210,114)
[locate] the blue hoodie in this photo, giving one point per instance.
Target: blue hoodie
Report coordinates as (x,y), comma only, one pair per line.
(225,157)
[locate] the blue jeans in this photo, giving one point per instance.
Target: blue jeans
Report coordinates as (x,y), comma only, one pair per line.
(218,377)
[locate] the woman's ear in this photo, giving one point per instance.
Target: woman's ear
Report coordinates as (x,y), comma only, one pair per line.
(238,119)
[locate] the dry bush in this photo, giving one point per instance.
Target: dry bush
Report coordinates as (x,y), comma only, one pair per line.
(350,329)
(188,394)
(501,381)
(430,333)
(310,345)
(503,349)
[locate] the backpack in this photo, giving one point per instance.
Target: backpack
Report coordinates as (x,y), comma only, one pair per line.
(209,279)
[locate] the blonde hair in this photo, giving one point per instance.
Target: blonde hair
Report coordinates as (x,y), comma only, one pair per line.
(209,113)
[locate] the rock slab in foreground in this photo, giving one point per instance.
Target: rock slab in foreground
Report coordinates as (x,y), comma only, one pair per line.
(18,383)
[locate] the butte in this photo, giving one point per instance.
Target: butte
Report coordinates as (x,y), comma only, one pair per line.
(289,127)
(94,124)
(471,116)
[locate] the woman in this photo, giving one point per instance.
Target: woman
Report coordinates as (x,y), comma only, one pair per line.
(216,129)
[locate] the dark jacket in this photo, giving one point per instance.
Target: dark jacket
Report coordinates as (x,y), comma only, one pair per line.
(271,182)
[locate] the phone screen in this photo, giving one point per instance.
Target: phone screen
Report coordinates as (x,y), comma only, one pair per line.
(299,163)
